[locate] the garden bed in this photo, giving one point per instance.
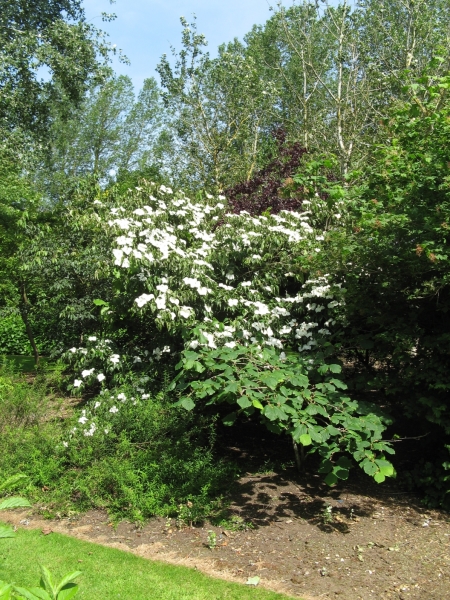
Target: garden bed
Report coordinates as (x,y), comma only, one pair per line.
(374,542)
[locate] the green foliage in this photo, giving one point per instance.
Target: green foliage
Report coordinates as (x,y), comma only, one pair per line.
(150,460)
(13,337)
(10,503)
(393,259)
(291,395)
(47,589)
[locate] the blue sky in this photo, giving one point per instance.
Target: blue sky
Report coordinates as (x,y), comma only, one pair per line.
(145,29)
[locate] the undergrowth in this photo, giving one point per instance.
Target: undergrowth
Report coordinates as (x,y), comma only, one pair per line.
(155,460)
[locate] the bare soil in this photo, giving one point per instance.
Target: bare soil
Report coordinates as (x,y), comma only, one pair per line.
(375,541)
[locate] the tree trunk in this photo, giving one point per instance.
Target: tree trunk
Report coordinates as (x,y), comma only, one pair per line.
(24,308)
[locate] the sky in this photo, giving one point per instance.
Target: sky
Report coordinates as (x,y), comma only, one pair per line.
(146,29)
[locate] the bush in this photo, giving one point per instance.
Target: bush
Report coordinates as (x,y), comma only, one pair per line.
(13,337)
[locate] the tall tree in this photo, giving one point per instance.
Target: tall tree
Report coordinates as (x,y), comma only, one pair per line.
(218,112)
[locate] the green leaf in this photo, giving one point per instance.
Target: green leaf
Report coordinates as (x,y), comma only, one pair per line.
(325,467)
(5,590)
(187,403)
(344,462)
(232,387)
(229,419)
(331,479)
(13,502)
(12,481)
(6,532)
(41,593)
(257,404)
(369,467)
(379,477)
(386,468)
(31,595)
(253,580)
(47,580)
(335,368)
(341,473)
(305,440)
(244,402)
(68,592)
(67,579)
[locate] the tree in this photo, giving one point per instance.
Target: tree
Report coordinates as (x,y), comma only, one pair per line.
(112,130)
(50,37)
(218,112)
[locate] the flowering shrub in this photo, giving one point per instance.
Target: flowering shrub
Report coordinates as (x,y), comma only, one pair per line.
(228,299)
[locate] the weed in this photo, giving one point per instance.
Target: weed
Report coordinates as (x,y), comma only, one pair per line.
(327,514)
(212,540)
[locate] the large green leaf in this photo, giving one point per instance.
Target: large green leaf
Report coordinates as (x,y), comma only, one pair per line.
(305,440)
(67,579)
(14,502)
(68,592)
(6,531)
(47,580)
(5,590)
(12,481)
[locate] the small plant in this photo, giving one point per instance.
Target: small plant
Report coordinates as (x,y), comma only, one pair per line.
(236,523)
(47,590)
(327,514)
(212,540)
(12,502)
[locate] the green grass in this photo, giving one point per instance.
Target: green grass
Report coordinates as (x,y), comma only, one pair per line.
(108,574)
(24,364)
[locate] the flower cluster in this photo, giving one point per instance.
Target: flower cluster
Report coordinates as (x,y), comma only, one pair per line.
(199,264)
(198,276)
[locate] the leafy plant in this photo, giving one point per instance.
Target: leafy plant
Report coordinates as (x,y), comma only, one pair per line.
(10,503)
(47,590)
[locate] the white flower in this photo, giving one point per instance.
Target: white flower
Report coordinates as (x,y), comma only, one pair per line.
(230,276)
(230,344)
(92,338)
(72,350)
(101,377)
(161,302)
(77,383)
(143,299)
(145,396)
(97,405)
(115,358)
(65,444)
(162,288)
(113,410)
(137,359)
(186,311)
(82,420)
(233,302)
(194,344)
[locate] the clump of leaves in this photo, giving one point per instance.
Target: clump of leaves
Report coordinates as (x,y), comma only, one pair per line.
(11,502)
(270,190)
(47,590)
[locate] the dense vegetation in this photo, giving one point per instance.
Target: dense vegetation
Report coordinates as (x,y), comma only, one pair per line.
(261,237)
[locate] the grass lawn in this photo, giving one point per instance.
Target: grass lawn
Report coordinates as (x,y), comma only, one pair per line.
(109,574)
